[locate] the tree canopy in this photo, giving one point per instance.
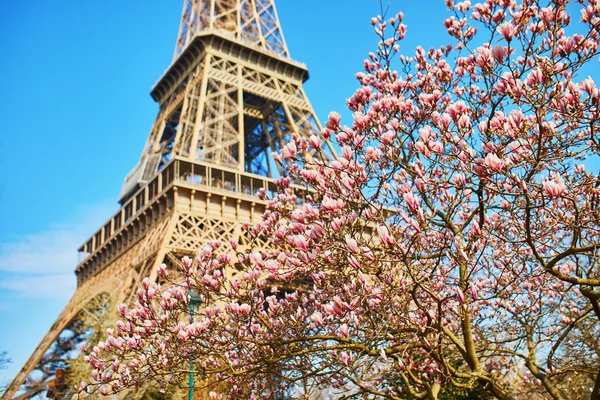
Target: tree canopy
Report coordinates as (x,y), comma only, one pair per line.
(452,249)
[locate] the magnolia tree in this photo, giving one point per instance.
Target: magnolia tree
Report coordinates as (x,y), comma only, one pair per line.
(452,249)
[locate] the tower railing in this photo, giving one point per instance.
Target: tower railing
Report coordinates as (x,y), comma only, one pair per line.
(179,172)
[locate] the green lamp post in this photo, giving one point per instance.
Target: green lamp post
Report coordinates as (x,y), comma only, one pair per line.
(193,306)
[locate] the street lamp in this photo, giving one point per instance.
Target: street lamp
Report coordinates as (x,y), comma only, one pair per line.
(193,305)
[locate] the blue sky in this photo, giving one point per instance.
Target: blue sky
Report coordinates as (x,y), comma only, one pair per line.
(75,77)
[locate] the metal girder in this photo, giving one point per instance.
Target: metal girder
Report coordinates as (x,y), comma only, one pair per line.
(251,21)
(224,108)
(224,99)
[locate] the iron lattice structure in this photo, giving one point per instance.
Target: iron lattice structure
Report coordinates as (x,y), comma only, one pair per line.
(231,96)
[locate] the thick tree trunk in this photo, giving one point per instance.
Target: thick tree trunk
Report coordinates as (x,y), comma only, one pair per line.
(596,392)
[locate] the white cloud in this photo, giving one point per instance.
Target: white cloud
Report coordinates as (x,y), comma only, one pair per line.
(59,286)
(41,264)
(45,252)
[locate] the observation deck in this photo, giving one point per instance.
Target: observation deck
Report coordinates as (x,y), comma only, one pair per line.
(181,185)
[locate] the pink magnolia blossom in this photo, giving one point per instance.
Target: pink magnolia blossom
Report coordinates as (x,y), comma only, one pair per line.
(352,245)
(344,330)
(554,187)
(317,318)
(460,296)
(315,142)
(384,235)
(411,201)
(508,30)
(333,121)
(499,53)
(493,162)
(345,357)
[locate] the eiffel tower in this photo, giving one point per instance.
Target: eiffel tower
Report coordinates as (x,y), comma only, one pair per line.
(231,96)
